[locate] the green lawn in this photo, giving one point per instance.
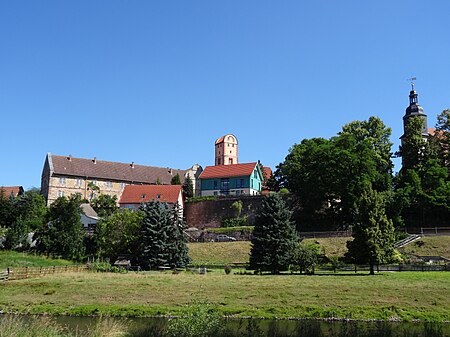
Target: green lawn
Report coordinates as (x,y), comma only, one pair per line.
(429,245)
(16,259)
(406,295)
(224,253)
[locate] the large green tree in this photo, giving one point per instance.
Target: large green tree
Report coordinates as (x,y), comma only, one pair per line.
(274,237)
(27,214)
(377,134)
(161,241)
(63,235)
(118,234)
(328,176)
(373,233)
(104,205)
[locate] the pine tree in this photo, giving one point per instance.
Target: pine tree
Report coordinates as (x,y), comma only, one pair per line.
(373,234)
(176,180)
(163,242)
(274,237)
(154,234)
(188,187)
(178,243)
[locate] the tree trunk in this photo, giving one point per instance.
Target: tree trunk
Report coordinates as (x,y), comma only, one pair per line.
(372,271)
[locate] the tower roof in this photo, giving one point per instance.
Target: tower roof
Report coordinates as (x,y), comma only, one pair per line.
(223,138)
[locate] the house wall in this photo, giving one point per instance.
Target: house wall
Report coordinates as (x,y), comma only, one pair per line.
(66,186)
(250,185)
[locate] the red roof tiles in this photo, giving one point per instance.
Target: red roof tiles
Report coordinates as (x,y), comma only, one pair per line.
(92,168)
(136,194)
(14,190)
(224,171)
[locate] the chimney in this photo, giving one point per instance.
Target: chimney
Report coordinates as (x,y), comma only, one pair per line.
(132,164)
(95,160)
(169,170)
(69,158)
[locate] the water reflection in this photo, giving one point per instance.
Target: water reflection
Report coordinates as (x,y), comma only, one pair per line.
(157,327)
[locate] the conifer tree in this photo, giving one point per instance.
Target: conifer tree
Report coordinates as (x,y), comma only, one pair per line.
(176,180)
(188,188)
(274,237)
(178,243)
(163,243)
(155,234)
(373,233)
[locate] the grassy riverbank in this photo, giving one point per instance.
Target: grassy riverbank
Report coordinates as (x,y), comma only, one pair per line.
(406,296)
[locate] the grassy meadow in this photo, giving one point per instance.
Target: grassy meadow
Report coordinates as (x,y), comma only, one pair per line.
(406,296)
(19,260)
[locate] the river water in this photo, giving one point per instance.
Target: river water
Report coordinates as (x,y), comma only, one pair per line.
(278,328)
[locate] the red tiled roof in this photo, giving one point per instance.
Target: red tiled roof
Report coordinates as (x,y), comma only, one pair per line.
(431,131)
(267,171)
(224,171)
(136,194)
(133,173)
(14,190)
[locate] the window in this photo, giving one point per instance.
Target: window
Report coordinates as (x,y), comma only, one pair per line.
(215,184)
(79,182)
(232,145)
(94,182)
(122,185)
(218,161)
(108,184)
(215,192)
(225,184)
(240,183)
(62,181)
(251,183)
(158,196)
(60,194)
(255,174)
(230,161)
(143,196)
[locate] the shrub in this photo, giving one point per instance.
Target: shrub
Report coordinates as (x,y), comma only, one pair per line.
(200,320)
(227,270)
(234,222)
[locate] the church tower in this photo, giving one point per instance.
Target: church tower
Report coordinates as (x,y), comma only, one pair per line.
(226,149)
(413,110)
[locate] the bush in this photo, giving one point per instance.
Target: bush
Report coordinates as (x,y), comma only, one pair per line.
(200,320)
(234,222)
(227,270)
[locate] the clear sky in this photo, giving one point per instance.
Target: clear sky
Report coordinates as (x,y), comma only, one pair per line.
(156,82)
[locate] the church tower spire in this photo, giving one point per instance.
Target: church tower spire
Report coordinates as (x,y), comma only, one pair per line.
(414,110)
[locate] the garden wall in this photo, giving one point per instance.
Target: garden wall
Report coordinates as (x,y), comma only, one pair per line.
(210,213)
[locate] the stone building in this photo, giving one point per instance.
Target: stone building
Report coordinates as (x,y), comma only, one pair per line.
(226,148)
(67,175)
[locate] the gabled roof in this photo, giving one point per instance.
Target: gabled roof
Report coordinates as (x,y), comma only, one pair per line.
(99,169)
(136,194)
(14,190)
(226,171)
(89,211)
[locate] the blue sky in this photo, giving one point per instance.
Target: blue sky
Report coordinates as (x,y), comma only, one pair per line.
(156,82)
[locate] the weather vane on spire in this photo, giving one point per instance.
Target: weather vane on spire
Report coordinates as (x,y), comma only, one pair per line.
(412,79)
